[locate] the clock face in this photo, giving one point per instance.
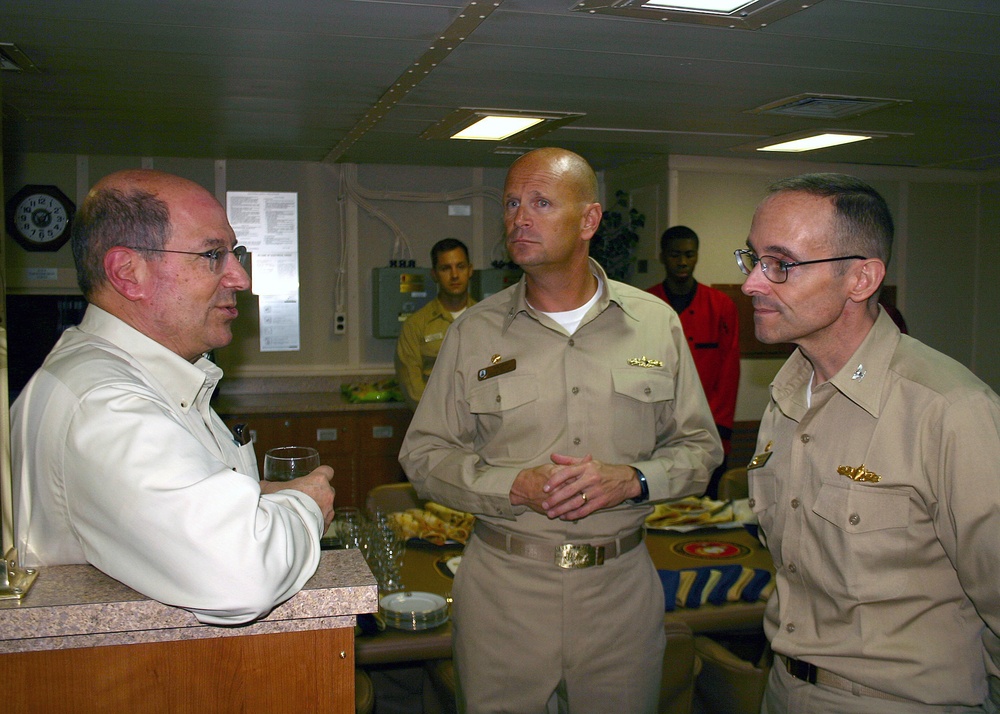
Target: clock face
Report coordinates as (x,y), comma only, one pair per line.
(39,217)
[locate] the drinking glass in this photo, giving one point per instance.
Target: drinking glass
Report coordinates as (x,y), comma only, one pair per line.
(349,525)
(287,462)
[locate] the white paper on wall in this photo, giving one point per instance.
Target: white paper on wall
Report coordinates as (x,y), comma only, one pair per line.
(267,223)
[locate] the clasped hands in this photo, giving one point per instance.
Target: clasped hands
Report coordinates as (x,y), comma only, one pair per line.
(572,488)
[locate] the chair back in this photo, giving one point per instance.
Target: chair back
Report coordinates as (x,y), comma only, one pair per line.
(733,484)
(393,497)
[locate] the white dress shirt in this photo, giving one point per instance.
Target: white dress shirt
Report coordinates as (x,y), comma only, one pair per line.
(119,461)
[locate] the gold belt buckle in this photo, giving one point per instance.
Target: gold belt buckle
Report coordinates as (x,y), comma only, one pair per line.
(579,556)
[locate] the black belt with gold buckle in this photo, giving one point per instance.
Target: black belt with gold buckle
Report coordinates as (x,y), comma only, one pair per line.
(801,670)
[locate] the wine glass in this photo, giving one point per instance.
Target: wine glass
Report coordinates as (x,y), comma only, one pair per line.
(284,463)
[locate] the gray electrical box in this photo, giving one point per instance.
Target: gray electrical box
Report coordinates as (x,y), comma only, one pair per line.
(397,293)
(487,282)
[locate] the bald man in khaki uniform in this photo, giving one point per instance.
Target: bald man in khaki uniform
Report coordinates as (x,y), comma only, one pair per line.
(557,411)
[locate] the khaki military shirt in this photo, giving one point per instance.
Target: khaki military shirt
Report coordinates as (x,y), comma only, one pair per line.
(511,387)
(418,346)
(880,504)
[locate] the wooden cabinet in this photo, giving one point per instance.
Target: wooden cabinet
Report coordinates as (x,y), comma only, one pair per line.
(362,446)
(310,671)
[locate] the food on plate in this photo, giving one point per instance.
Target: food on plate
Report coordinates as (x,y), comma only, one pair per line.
(435,523)
(689,511)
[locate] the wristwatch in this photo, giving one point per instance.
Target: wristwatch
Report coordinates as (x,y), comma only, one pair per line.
(644,485)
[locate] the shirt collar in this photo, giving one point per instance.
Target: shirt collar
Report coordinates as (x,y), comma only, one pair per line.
(183,381)
(862,379)
(610,294)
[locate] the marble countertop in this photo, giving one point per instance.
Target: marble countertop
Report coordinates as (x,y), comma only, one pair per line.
(79,606)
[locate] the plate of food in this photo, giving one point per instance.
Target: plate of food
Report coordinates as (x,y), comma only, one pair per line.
(691,513)
(435,523)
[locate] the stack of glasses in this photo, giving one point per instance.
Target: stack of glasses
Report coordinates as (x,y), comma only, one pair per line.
(378,539)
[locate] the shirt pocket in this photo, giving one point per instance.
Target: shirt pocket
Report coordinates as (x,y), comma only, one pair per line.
(248,461)
(866,535)
(506,408)
(642,401)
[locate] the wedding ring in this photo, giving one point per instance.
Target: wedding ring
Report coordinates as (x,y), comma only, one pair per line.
(583,495)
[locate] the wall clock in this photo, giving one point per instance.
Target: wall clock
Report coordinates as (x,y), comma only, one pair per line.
(39,217)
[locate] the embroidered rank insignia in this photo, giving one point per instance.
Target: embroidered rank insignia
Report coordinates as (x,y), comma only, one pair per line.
(860,474)
(497,369)
(644,362)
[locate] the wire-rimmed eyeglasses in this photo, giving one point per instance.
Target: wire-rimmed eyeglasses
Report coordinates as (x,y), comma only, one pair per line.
(775,269)
(217,257)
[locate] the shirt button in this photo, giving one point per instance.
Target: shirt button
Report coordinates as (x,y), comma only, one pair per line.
(576,441)
(792,568)
(855,519)
(805,438)
(795,503)
(572,343)
(790,627)
(576,390)
(498,399)
(752,502)
(647,391)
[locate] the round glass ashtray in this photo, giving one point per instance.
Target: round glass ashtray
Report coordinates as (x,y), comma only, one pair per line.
(414,610)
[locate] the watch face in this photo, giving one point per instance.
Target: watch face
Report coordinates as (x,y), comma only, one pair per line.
(39,217)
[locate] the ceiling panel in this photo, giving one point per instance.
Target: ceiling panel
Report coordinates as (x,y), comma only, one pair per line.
(290,80)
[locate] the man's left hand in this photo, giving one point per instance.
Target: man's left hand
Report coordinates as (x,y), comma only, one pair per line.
(580,486)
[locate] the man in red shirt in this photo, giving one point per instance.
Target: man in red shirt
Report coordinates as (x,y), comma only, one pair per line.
(711,326)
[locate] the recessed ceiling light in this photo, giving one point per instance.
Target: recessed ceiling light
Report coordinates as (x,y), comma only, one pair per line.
(724,6)
(495,128)
(496,124)
(816,141)
(737,14)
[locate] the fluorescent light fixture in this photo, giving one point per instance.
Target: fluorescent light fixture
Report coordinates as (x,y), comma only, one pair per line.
(496,124)
(817,141)
(724,6)
(495,128)
(735,14)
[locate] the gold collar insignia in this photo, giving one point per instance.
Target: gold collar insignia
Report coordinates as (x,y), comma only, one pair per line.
(644,362)
(859,474)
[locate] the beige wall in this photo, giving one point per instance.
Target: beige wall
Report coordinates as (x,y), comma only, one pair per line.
(340,242)
(947,236)
(945,262)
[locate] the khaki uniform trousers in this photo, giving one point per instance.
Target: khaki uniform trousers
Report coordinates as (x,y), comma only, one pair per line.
(529,634)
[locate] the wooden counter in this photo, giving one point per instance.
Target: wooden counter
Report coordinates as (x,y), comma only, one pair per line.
(83,642)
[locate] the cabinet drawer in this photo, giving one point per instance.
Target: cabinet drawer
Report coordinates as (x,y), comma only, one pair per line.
(382,432)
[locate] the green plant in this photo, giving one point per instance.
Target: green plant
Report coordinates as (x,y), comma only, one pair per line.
(613,245)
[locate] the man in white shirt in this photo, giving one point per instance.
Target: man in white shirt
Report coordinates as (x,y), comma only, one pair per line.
(119,461)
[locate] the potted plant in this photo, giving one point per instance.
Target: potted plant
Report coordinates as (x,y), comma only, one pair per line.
(613,245)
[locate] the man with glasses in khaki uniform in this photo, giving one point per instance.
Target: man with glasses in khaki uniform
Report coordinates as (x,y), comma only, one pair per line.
(876,478)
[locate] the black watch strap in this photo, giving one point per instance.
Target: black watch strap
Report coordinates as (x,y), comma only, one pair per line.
(644,485)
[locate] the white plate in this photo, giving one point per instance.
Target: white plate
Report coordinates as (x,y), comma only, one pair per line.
(414,611)
(410,603)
